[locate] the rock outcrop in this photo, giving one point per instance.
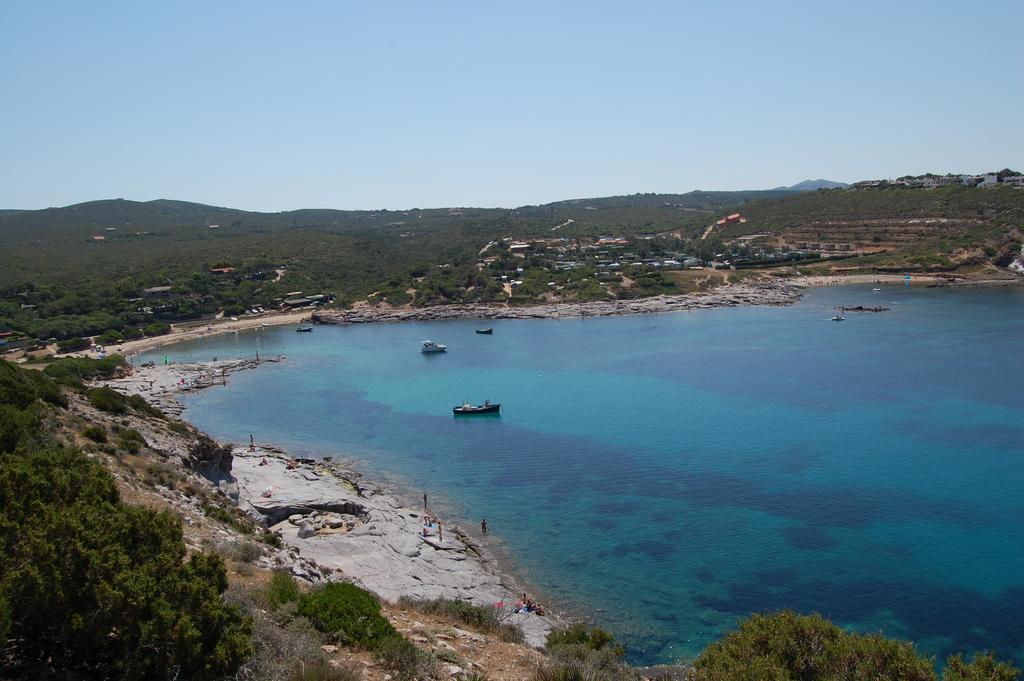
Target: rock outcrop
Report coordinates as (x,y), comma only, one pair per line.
(370,536)
(780,292)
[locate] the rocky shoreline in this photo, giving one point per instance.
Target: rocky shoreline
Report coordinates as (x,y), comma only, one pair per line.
(775,293)
(332,522)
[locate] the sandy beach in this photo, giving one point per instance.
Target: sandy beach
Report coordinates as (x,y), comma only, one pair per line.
(194,330)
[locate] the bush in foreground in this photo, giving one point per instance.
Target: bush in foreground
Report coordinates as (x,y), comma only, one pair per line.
(348,614)
(810,648)
(102,588)
(581,653)
(282,589)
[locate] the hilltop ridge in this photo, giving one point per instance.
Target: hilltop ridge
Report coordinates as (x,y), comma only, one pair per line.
(123,268)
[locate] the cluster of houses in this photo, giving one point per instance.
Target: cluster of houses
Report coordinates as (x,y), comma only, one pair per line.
(930,181)
(605,254)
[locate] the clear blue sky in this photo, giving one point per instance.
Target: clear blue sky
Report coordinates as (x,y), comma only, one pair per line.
(275,105)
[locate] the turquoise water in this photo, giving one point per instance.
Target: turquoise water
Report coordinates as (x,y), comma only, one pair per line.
(664,475)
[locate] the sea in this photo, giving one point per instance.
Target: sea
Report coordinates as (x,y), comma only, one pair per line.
(665,475)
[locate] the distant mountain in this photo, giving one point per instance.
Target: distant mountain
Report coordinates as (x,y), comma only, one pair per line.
(813,186)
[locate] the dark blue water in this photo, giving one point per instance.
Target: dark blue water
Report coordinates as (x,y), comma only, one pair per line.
(665,475)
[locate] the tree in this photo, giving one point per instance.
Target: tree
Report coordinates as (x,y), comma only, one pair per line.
(93,584)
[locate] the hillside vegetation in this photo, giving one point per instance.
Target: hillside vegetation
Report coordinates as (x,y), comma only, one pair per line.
(83,270)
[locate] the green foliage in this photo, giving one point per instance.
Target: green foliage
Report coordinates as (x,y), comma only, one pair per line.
(140,405)
(398,655)
(161,474)
(111,401)
(481,618)
(72,371)
(95,433)
(108,400)
(157,329)
(347,614)
(790,646)
(109,338)
(130,440)
(179,427)
(22,397)
(983,667)
(73,345)
(282,589)
(94,584)
(578,634)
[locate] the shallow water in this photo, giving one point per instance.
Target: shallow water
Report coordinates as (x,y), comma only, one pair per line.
(667,474)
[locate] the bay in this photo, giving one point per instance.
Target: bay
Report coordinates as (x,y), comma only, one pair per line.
(665,475)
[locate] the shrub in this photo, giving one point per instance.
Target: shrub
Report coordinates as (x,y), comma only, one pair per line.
(398,655)
(285,646)
(108,400)
(786,645)
(239,551)
(270,538)
(139,404)
(95,433)
(102,587)
(179,427)
(130,440)
(157,329)
(578,634)
(982,668)
(282,589)
(109,338)
(71,371)
(483,619)
(347,614)
(160,474)
(73,345)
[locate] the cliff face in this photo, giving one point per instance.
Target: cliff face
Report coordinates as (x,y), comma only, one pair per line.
(211,460)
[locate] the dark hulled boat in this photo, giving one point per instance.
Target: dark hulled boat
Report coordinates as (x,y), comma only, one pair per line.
(485,408)
(304,329)
(486,332)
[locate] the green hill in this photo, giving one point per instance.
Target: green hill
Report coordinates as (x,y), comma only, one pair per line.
(82,269)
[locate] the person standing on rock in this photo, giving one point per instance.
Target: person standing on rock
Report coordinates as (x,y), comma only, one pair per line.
(483,526)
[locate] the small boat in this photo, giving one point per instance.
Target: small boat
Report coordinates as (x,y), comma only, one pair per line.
(487,332)
(876,289)
(485,408)
(304,329)
(430,346)
(838,318)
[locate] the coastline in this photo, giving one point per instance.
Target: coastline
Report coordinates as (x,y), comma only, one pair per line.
(212,327)
(783,291)
(775,293)
(332,518)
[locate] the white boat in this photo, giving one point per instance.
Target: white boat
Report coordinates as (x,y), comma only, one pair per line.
(430,346)
(876,289)
(838,318)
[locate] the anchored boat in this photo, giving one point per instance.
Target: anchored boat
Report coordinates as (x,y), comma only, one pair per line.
(486,332)
(430,346)
(467,409)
